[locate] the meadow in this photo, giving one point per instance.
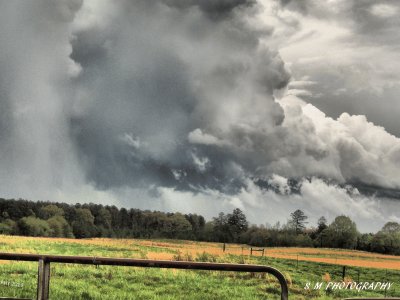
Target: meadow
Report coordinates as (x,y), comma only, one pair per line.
(299,265)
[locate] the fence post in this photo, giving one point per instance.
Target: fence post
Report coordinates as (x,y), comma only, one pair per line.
(43,279)
(386,280)
(344,273)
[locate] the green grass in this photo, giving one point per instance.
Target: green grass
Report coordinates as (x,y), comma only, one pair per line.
(106,282)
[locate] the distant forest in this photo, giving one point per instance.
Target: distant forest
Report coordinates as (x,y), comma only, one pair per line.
(48,219)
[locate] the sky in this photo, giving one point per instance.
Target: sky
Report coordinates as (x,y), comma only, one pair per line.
(202,106)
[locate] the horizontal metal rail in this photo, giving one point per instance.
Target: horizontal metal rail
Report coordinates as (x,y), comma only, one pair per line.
(45,260)
(371,298)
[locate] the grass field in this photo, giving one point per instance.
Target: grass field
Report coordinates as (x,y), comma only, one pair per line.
(300,265)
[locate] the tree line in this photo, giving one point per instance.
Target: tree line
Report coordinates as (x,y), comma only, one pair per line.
(48,219)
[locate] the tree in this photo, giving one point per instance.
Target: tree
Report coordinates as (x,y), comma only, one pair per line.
(322,224)
(179,226)
(391,228)
(318,235)
(255,236)
(197,223)
(298,221)
(364,241)
(51,210)
(4,216)
(124,219)
(103,218)
(387,240)
(60,227)
(237,223)
(221,228)
(303,240)
(83,225)
(342,233)
(208,233)
(8,226)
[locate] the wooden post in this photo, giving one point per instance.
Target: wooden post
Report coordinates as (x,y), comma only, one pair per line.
(344,273)
(263,253)
(43,280)
(251,251)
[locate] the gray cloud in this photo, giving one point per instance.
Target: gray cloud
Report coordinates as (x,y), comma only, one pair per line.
(349,49)
(159,90)
(34,64)
(214,9)
(119,101)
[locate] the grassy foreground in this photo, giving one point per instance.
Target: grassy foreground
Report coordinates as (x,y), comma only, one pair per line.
(300,265)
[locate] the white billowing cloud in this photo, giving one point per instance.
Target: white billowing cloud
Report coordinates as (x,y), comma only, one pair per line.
(317,199)
(348,48)
(298,84)
(201,162)
(198,137)
(132,141)
(384,10)
(299,92)
(345,149)
(280,183)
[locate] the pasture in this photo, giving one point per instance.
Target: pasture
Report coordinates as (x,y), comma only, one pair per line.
(300,265)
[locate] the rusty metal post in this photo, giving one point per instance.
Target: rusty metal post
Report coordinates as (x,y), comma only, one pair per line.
(43,279)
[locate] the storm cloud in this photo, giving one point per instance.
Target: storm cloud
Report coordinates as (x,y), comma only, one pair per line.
(187,105)
(156,90)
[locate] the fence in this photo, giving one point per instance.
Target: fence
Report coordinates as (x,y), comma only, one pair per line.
(243,249)
(43,286)
(257,250)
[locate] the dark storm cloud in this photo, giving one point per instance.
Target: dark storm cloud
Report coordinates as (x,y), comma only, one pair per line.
(214,9)
(148,86)
(185,100)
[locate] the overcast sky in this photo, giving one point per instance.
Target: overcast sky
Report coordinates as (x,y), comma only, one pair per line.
(204,105)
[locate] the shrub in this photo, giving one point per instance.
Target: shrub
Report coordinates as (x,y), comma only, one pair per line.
(206,257)
(33,226)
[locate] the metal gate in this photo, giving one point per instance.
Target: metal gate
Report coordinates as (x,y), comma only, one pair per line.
(44,261)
